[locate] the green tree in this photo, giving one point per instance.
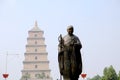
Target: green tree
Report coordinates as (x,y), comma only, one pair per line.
(40,76)
(26,76)
(43,75)
(37,76)
(109,74)
(119,75)
(105,73)
(97,77)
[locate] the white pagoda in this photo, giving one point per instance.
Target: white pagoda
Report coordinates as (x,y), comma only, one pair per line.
(36,64)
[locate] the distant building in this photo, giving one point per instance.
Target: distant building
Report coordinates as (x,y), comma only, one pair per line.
(36,64)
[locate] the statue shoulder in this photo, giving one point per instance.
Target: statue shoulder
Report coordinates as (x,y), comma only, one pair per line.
(76,37)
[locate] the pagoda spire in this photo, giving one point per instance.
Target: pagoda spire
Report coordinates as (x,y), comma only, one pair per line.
(36,24)
(35,28)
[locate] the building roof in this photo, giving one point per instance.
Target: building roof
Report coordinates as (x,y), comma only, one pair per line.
(35,28)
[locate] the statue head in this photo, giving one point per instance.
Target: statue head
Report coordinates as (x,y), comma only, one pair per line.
(70,30)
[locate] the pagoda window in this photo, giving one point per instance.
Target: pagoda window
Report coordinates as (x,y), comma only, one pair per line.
(35,35)
(35,57)
(35,50)
(36,66)
(35,42)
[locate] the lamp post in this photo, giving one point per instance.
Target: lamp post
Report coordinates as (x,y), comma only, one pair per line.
(5,75)
(83,74)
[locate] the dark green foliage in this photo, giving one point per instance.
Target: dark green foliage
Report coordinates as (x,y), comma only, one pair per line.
(119,75)
(40,76)
(109,73)
(97,77)
(26,76)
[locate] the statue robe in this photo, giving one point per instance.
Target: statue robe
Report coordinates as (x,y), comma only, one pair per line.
(69,57)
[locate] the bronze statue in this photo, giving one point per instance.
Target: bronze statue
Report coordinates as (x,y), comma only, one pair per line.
(69,55)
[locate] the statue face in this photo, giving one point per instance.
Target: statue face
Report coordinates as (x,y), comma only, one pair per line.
(70,31)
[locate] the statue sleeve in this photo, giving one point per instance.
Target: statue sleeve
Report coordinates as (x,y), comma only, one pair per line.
(60,60)
(78,43)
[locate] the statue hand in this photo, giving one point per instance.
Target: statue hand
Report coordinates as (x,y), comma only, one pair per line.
(71,44)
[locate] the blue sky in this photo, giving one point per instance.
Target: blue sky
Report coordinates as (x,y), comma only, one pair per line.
(96,23)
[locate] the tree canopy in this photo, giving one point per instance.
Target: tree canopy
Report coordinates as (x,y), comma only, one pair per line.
(109,73)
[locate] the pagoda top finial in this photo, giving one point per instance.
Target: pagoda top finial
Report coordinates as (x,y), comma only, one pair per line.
(36,25)
(35,28)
